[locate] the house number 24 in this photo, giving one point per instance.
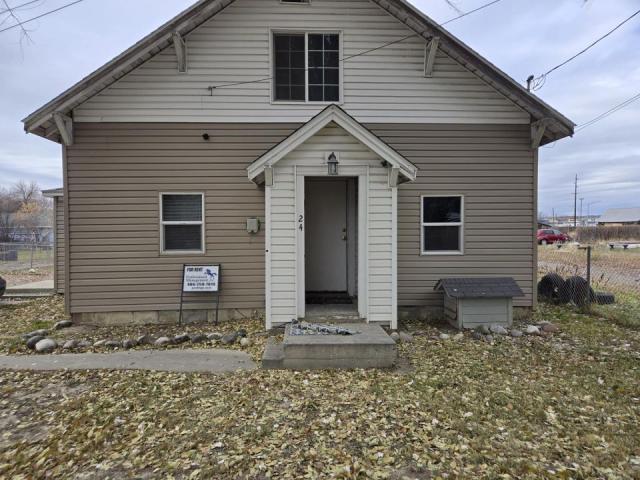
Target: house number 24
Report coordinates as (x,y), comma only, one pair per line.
(301,222)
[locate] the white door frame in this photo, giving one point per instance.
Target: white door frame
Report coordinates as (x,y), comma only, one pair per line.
(362,173)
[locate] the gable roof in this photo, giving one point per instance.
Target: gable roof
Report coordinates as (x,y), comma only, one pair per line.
(620,215)
(41,121)
(488,287)
(335,114)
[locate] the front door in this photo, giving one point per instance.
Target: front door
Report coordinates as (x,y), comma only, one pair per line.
(326,234)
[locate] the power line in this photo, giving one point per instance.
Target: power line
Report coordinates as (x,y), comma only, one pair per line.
(15,17)
(611,111)
(349,57)
(19,6)
(602,116)
(42,15)
(538,82)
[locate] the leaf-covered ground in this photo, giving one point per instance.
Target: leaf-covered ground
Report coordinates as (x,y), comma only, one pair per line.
(566,406)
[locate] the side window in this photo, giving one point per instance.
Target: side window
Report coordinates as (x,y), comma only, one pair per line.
(182,222)
(442,224)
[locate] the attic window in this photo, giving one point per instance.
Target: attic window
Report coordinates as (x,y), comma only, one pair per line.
(306,67)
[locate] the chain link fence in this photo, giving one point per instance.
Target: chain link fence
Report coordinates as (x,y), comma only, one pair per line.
(24,256)
(584,276)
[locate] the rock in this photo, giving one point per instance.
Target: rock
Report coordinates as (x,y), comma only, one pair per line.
(532,330)
(36,333)
(544,322)
(32,341)
(550,328)
(214,336)
(99,343)
(163,341)
(483,329)
(498,330)
(70,345)
(444,336)
(245,342)
(144,340)
(241,333)
(488,338)
(516,333)
(129,343)
(458,336)
(181,338)
(62,324)
(46,345)
(476,335)
(229,338)
(406,337)
(395,336)
(112,344)
(198,338)
(84,344)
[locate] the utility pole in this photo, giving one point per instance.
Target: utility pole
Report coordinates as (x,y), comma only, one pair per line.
(575,204)
(581,215)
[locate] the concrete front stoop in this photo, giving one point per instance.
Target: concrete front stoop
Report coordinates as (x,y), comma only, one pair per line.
(371,347)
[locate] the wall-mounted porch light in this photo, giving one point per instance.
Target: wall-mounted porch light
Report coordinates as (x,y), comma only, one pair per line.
(332,164)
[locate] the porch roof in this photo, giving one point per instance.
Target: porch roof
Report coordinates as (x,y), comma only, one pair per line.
(335,114)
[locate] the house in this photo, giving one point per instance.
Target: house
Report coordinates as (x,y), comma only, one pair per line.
(349,153)
(616,217)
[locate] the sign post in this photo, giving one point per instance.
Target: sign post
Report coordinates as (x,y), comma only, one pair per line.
(200,279)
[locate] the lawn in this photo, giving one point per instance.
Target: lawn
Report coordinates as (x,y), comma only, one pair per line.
(565,406)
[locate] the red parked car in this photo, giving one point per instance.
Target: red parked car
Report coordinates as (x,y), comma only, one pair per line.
(548,236)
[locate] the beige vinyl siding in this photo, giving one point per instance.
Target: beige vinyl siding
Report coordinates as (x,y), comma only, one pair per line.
(387,85)
(59,243)
(115,172)
(493,167)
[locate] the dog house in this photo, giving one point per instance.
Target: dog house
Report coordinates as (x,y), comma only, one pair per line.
(471,302)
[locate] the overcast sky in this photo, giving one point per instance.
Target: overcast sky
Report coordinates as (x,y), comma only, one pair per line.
(522,37)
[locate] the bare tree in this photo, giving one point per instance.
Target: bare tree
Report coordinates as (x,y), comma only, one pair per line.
(453,5)
(26,192)
(9,205)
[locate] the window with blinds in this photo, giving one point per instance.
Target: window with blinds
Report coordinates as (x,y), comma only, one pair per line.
(182,222)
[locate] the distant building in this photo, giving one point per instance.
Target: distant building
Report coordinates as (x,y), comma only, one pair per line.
(615,217)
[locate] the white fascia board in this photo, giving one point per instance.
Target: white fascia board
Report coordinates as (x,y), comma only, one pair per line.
(334,114)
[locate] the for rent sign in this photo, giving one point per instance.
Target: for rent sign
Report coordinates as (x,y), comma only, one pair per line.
(201,278)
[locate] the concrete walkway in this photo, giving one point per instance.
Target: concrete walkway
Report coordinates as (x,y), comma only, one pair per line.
(33,289)
(205,361)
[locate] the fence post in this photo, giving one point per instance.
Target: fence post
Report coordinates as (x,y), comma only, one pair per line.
(589,276)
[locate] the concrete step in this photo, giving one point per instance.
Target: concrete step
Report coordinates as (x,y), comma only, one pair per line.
(273,356)
(371,347)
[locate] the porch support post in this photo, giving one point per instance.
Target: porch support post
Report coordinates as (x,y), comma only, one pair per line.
(394,258)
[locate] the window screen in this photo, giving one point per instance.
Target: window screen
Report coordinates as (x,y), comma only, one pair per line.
(182,222)
(442,224)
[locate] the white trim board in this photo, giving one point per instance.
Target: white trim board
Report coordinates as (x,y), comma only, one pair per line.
(332,113)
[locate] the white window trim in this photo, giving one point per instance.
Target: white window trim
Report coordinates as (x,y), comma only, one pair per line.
(163,223)
(460,224)
(305,32)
